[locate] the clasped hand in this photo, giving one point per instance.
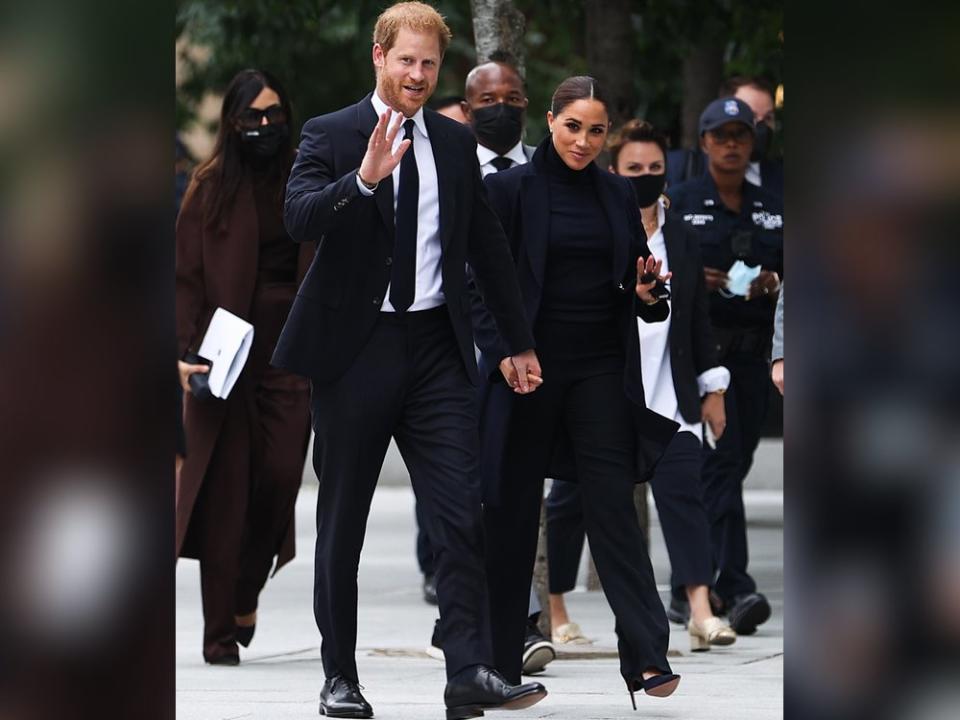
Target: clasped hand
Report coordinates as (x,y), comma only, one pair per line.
(522,372)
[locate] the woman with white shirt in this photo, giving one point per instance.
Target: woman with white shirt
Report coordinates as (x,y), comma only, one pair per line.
(682,382)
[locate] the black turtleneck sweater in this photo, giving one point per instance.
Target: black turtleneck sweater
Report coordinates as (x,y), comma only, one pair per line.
(577,322)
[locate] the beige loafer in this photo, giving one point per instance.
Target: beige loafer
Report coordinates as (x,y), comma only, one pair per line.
(570,634)
(713,631)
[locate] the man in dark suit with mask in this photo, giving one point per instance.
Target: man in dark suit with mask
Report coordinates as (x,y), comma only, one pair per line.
(381,326)
(495,106)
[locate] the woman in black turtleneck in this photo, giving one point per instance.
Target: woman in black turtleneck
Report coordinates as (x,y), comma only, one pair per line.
(579,247)
(238,483)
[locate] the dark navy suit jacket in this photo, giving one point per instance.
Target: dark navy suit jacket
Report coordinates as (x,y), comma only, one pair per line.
(339,300)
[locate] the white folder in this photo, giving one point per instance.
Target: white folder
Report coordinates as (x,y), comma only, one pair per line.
(227,345)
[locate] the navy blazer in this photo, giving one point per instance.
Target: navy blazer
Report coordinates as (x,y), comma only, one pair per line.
(339,301)
(693,349)
(520,198)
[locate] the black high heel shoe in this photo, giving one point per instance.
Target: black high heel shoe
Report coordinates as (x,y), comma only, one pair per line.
(658,686)
(244,635)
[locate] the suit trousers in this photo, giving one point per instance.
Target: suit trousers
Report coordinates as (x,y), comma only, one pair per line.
(725,468)
(597,416)
(407,382)
(678,493)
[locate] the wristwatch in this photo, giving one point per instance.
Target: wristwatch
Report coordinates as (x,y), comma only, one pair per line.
(718,391)
(367,185)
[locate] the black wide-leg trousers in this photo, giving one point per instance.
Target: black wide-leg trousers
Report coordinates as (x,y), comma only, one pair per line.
(678,492)
(597,417)
(408,382)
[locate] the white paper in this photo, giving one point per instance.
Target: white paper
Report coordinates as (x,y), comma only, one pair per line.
(226,344)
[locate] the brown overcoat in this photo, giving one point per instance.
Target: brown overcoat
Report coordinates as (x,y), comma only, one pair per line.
(217,267)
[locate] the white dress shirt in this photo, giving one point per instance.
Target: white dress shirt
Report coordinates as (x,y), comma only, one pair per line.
(428,292)
(485,155)
(655,366)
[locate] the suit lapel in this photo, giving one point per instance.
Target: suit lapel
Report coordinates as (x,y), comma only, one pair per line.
(383,195)
(446,179)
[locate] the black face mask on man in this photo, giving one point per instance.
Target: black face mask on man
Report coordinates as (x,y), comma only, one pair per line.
(762,135)
(497,127)
(648,188)
(265,141)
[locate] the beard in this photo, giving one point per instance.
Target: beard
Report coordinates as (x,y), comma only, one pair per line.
(394,94)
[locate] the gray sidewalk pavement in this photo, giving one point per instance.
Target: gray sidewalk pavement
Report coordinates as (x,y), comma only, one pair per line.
(280,674)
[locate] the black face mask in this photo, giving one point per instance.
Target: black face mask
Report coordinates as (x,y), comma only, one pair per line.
(761,141)
(497,127)
(265,142)
(648,188)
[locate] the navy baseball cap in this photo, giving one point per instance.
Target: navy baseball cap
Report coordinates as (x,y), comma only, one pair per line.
(724,110)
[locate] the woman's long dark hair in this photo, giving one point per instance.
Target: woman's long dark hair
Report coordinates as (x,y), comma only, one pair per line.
(225,170)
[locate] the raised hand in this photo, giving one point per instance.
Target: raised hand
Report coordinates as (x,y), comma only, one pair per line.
(380,159)
(649,270)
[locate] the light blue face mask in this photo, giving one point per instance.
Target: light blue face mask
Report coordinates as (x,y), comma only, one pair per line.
(739,277)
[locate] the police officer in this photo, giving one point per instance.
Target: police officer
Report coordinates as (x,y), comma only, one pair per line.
(740,227)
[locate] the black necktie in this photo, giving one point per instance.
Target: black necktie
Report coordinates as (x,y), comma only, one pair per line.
(404,274)
(501,163)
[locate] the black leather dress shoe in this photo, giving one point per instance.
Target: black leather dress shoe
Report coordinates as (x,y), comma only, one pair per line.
(341,698)
(748,611)
(478,688)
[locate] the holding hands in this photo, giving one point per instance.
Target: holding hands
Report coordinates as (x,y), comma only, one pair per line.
(380,159)
(522,372)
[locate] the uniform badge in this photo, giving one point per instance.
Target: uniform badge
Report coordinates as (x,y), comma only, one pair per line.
(730,107)
(708,203)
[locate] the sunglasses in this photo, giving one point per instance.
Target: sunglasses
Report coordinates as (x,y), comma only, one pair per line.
(252,118)
(738,135)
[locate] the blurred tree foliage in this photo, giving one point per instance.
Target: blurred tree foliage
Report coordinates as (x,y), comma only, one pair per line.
(320,49)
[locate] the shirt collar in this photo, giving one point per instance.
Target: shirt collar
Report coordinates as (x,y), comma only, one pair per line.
(380,107)
(485,154)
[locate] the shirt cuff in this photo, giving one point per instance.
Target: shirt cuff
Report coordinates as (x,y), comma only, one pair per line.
(716,378)
(364,190)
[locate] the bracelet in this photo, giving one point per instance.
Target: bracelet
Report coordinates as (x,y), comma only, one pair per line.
(367,185)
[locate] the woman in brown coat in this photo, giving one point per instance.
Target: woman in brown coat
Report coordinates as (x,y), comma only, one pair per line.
(238,484)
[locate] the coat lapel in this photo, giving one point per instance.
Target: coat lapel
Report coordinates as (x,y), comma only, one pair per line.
(383,196)
(617,217)
(535,211)
(675,250)
(446,176)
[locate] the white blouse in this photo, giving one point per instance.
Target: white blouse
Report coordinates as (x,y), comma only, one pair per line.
(657,372)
